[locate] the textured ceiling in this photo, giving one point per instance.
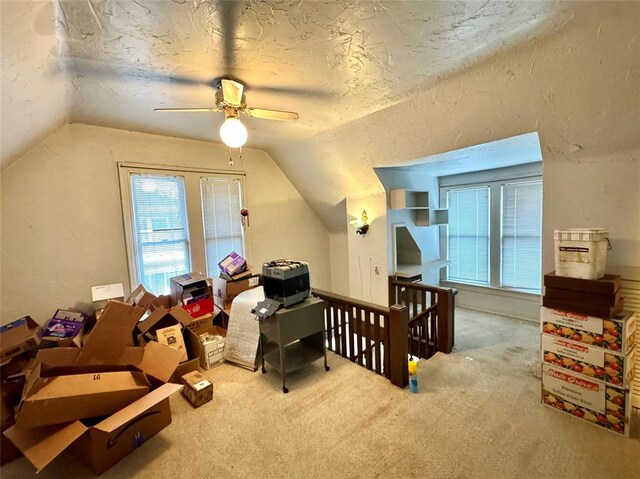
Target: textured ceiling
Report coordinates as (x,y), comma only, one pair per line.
(332,62)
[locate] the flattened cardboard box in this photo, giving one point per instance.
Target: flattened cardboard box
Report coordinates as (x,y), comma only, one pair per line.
(602,311)
(608,284)
(104,444)
(53,398)
(198,389)
(18,337)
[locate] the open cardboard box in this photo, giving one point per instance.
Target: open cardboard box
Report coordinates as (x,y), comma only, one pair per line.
(65,329)
(162,318)
(103,444)
(18,337)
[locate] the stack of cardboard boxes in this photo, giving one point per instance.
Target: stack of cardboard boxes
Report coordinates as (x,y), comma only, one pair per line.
(588,350)
(100,386)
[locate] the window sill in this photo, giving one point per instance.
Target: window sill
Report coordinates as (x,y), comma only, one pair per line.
(506,293)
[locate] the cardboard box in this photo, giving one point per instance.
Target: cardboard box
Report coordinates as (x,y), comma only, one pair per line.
(141,297)
(615,334)
(233,264)
(172,336)
(225,291)
(188,286)
(193,352)
(100,295)
(53,397)
(17,337)
(599,310)
(593,401)
(199,308)
(198,390)
(65,329)
(211,346)
(596,363)
(583,297)
(202,322)
(146,329)
(608,284)
(102,445)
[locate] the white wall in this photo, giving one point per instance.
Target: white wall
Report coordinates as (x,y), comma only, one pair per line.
(364,251)
(578,89)
(34,89)
(62,228)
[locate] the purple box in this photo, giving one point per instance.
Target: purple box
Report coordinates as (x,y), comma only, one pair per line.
(62,329)
(233,264)
(65,329)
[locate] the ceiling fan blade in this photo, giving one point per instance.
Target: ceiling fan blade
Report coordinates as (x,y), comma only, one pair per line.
(186,109)
(271,114)
(232,92)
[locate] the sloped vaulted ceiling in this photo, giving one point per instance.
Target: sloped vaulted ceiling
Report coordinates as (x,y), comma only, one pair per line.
(333,62)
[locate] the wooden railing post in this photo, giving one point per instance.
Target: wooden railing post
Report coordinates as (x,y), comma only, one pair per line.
(398,345)
(445,320)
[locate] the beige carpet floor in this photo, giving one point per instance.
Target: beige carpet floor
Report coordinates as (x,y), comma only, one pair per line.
(477,414)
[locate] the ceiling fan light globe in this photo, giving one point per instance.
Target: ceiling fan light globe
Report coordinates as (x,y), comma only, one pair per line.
(233,133)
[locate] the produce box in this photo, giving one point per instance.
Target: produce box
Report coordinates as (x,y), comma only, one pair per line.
(590,361)
(593,401)
(615,334)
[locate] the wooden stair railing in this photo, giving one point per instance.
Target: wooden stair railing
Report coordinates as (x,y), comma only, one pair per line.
(431,315)
(372,336)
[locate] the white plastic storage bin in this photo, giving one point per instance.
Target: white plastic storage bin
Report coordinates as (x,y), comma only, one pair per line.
(581,252)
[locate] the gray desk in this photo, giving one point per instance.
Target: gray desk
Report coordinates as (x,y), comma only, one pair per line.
(294,337)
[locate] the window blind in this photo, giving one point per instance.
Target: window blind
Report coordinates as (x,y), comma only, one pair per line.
(522,235)
(223,232)
(161,232)
(468,238)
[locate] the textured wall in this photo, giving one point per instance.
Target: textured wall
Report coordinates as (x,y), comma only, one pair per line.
(34,91)
(62,227)
(577,88)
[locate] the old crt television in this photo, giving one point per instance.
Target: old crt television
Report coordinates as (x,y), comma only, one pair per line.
(286,281)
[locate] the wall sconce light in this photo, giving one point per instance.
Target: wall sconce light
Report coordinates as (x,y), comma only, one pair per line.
(361,225)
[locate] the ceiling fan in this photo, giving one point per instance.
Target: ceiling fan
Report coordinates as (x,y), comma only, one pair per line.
(230,99)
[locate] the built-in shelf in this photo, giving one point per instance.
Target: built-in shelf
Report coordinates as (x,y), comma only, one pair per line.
(418,203)
(410,270)
(409,199)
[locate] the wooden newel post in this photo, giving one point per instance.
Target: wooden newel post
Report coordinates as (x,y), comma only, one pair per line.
(445,319)
(399,345)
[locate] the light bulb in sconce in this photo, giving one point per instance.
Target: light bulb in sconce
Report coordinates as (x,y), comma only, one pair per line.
(362,224)
(232,132)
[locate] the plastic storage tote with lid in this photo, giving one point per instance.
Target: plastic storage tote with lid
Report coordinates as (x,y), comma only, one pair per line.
(581,252)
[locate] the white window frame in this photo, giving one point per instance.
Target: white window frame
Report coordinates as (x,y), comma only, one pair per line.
(494,179)
(195,222)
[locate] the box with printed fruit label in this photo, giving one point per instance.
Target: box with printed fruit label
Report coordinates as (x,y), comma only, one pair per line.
(593,401)
(588,360)
(616,334)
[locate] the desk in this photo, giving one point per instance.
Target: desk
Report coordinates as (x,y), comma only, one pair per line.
(294,337)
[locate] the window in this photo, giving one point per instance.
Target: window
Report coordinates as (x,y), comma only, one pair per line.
(521,239)
(468,239)
(494,237)
(177,221)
